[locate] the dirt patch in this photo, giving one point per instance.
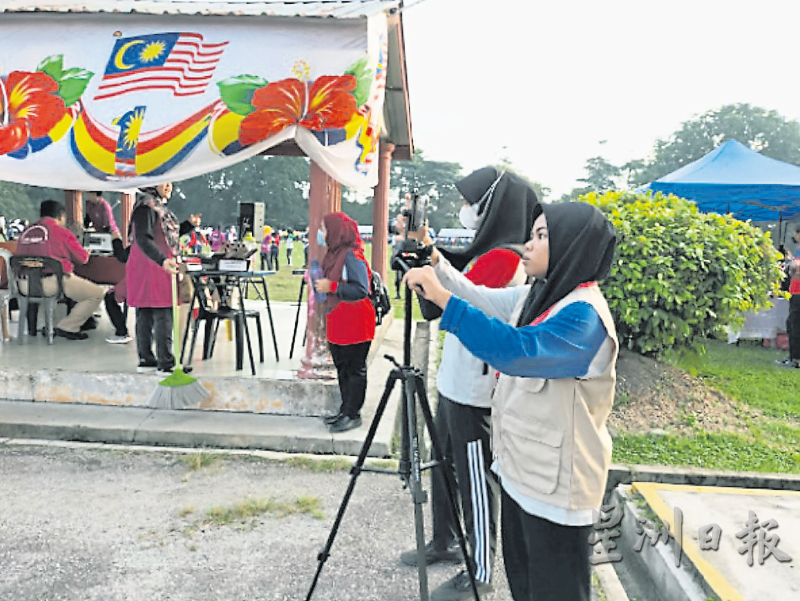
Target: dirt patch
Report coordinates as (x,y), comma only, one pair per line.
(655,396)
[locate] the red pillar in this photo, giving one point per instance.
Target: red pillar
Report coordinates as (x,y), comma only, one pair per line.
(325,196)
(126,208)
(380,210)
(73,201)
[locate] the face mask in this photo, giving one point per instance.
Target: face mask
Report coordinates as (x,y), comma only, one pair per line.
(321,238)
(468,215)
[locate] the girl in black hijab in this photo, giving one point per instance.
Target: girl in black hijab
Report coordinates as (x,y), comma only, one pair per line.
(555,347)
(500,205)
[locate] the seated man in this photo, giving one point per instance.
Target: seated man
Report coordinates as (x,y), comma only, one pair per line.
(48,237)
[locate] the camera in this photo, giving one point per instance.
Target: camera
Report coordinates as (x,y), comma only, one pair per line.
(412,253)
(415,211)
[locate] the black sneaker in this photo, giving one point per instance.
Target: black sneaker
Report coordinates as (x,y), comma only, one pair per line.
(146,368)
(345,423)
(70,335)
(459,588)
(434,554)
(789,363)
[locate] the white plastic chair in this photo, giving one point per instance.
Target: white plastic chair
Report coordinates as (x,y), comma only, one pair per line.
(6,295)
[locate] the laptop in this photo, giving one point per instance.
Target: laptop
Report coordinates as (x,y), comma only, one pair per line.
(98,242)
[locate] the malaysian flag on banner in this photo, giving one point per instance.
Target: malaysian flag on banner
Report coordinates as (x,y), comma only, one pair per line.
(181,62)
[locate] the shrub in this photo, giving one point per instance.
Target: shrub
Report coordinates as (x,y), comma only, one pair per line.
(679,275)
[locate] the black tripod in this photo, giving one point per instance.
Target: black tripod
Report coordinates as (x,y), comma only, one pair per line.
(409,468)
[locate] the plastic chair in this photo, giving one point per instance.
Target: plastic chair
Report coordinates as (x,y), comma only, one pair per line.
(31,270)
(211,299)
(6,294)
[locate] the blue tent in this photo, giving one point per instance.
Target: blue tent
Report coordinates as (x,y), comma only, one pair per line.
(734,179)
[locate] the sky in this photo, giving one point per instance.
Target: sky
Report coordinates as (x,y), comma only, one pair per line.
(549,84)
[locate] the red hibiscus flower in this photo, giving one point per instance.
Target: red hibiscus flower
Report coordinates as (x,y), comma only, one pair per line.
(29,108)
(328,104)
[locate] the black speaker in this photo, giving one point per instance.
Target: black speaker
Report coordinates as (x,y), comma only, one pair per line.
(251,219)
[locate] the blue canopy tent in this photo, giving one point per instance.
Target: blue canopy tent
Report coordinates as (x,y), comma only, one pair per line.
(734,179)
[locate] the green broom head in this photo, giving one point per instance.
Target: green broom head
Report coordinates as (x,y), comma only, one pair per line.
(177,378)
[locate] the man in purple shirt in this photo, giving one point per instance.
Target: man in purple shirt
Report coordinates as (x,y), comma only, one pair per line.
(49,238)
(99,214)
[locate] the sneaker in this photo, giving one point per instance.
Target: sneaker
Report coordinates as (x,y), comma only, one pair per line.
(789,363)
(70,335)
(146,368)
(433,554)
(114,339)
(345,423)
(459,588)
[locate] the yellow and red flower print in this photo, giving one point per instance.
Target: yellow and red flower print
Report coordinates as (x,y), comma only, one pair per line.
(329,103)
(29,108)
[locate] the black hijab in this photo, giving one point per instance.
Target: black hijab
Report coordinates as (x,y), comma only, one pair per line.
(582,243)
(508,212)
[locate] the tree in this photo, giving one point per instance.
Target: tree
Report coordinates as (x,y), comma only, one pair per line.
(764,131)
(601,175)
(433,179)
(280,182)
(21,201)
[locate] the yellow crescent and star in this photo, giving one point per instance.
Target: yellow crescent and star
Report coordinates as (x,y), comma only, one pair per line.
(118,63)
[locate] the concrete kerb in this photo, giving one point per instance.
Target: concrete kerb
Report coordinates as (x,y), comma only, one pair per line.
(658,561)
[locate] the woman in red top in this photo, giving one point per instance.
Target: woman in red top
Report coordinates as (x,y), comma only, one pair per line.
(350,316)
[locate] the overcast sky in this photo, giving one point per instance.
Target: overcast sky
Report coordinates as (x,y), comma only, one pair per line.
(543,82)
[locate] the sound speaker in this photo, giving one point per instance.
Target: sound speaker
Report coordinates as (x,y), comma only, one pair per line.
(251,219)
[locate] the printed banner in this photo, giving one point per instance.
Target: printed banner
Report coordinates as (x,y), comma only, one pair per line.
(112,102)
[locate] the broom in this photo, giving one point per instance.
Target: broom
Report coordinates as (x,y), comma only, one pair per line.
(178,390)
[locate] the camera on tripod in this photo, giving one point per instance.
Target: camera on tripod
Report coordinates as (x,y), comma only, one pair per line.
(412,253)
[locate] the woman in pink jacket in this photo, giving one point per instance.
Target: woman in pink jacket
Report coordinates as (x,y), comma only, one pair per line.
(151,267)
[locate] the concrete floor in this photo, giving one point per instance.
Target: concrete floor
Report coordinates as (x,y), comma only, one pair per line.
(96,355)
(94,371)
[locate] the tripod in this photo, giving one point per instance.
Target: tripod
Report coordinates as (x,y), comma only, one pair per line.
(409,467)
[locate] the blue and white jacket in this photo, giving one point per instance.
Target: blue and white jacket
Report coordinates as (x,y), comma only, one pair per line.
(551,446)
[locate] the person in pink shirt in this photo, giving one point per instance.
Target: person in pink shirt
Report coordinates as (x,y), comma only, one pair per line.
(793,320)
(99,214)
(49,237)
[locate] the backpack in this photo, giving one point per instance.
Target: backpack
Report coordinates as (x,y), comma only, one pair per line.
(379,296)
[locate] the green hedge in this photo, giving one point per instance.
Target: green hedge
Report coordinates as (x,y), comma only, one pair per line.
(680,276)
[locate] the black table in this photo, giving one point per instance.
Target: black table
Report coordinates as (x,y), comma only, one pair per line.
(226,282)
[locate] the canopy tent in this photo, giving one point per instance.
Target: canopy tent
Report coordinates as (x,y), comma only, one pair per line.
(114,95)
(735,179)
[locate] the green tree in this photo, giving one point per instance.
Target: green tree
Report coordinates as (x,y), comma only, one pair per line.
(280,182)
(601,175)
(764,131)
(434,179)
(21,201)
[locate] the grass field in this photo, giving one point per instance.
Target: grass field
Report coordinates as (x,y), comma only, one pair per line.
(765,402)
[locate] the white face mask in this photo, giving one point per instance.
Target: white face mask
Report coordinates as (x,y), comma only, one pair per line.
(468,215)
(472,216)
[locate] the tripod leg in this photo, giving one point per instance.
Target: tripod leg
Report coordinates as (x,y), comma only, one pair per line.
(355,472)
(415,484)
(439,459)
